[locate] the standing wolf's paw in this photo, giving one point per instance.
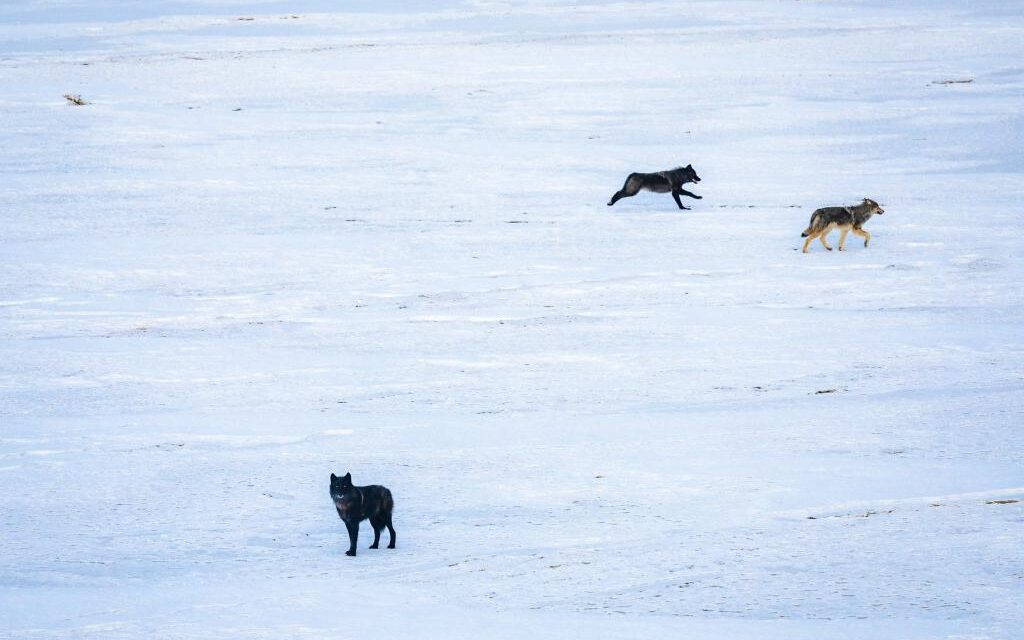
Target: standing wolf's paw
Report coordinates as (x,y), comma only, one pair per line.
(391,546)
(350,552)
(373,546)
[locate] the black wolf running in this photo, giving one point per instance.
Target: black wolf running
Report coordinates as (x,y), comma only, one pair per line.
(356,504)
(847,219)
(670,181)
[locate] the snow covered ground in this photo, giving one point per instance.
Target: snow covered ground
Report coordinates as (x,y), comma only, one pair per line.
(313,237)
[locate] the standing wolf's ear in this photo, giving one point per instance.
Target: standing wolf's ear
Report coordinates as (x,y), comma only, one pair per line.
(689,166)
(333,477)
(347,477)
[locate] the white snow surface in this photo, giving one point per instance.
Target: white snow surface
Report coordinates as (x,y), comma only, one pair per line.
(286,239)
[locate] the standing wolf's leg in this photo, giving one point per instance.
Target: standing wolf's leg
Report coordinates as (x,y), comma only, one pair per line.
(808,242)
(842,238)
(391,531)
(353,535)
(630,188)
(377,522)
(864,234)
(675,196)
(684,192)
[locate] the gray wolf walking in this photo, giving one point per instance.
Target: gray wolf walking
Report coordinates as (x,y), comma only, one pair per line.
(355,504)
(846,219)
(670,181)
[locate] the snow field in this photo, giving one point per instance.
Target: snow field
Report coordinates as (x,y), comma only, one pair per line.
(376,240)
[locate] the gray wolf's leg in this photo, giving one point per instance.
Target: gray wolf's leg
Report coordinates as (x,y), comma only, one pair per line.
(864,234)
(842,238)
(822,239)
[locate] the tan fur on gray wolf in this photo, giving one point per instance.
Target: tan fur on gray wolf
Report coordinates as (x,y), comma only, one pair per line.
(846,219)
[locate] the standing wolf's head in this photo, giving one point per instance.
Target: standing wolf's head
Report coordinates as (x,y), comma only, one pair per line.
(341,486)
(873,206)
(344,495)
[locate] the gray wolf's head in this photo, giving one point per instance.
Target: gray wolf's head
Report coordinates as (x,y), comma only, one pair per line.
(874,208)
(691,175)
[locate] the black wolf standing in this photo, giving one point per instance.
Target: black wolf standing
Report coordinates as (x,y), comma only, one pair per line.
(356,504)
(670,181)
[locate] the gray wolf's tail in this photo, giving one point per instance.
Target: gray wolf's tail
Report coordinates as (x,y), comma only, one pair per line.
(813,225)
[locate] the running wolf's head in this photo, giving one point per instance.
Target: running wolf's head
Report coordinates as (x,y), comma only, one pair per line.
(691,175)
(873,206)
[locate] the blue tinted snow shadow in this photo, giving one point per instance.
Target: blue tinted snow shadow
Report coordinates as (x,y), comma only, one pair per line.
(44,12)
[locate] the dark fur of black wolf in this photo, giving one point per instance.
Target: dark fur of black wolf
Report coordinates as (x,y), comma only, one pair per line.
(355,504)
(670,181)
(846,219)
